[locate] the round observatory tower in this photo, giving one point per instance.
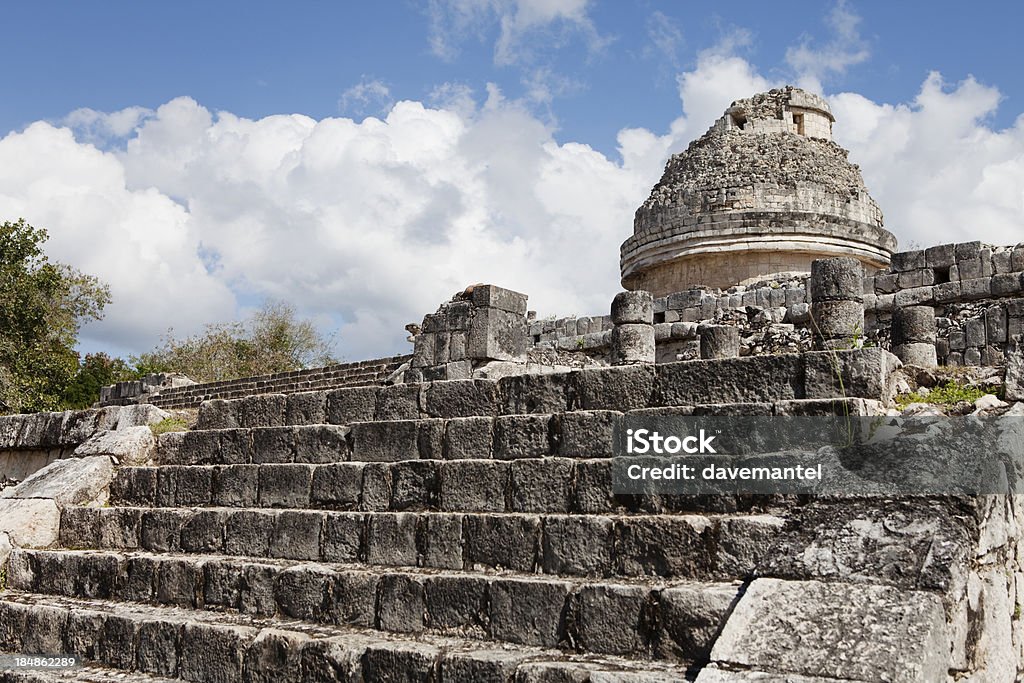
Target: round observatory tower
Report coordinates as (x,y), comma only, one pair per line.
(763,193)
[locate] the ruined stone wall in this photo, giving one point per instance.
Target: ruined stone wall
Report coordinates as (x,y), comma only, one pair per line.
(361,373)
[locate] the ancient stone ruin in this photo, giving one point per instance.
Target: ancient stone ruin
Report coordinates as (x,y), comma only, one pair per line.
(449,515)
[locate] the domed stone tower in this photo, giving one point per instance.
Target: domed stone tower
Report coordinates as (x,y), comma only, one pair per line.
(763,193)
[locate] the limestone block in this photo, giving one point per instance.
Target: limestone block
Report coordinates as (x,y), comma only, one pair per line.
(719,341)
(837,319)
(967,250)
(139,415)
(306,408)
(608,618)
(265,410)
(480,665)
(423,350)
(971,269)
(785,627)
(497,334)
(217,414)
(1007,284)
(941,256)
(947,292)
(618,388)
(632,344)
(861,373)
(1015,370)
(30,522)
(491,296)
(691,618)
(915,296)
(995,325)
(836,279)
(885,283)
(1017,259)
(913,324)
(580,545)
(972,357)
(634,307)
(462,398)
(73,481)
(131,446)
(973,290)
(922,277)
(541,486)
(1001,262)
(917,353)
(528,611)
(474,485)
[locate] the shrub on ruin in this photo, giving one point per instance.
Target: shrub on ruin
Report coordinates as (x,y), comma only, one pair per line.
(274,339)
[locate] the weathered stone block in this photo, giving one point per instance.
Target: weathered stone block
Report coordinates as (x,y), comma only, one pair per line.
(917,353)
(273,445)
(974,332)
(633,307)
(338,486)
(217,414)
(468,437)
(398,402)
(995,325)
(836,279)
(973,290)
(734,380)
(491,296)
(352,404)
(1007,284)
(913,324)
(523,436)
(783,626)
(497,335)
(236,485)
(586,433)
(321,443)
(916,296)
(202,531)
(376,487)
(462,398)
(297,535)
(908,260)
(632,344)
(1017,259)
(623,388)
(354,598)
(213,652)
(579,545)
(500,541)
(941,256)
(275,656)
(664,546)
(528,611)
(249,532)
(402,603)
(947,292)
(160,531)
(443,541)
(541,486)
(863,373)
(414,485)
(264,410)
(474,485)
(306,408)
(691,617)
(612,619)
(385,441)
(1014,386)
(285,486)
(342,539)
(457,603)
(391,539)
(524,394)
(719,341)
(485,666)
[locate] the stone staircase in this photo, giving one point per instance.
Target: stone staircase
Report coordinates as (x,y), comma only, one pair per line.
(447,531)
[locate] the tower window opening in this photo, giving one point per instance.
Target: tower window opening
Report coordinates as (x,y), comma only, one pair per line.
(798,119)
(739,120)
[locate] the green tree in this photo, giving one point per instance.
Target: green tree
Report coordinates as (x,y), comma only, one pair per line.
(96,371)
(42,308)
(274,339)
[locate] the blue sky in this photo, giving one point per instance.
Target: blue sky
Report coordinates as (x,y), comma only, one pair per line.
(366,160)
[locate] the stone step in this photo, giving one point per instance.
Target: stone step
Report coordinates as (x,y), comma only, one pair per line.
(548,485)
(666,620)
(205,646)
(702,547)
(572,434)
(860,373)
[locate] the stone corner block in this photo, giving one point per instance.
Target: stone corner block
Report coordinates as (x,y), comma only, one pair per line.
(31,522)
(886,634)
(131,446)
